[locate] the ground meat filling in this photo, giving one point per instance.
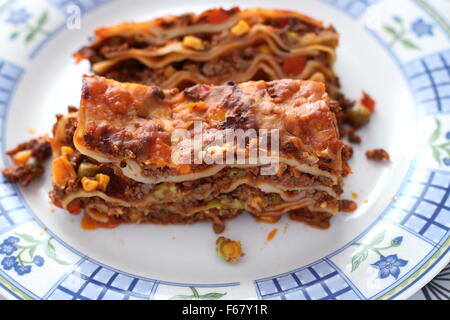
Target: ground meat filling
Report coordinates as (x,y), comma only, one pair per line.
(157,215)
(347,205)
(206,188)
(223,207)
(320,220)
(70,125)
(217,70)
(117,44)
(378,155)
(27,161)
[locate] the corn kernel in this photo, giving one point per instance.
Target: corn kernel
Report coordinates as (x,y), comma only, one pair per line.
(103,180)
(308,38)
(89,184)
(66,151)
(22,157)
(193,42)
(258,202)
(241,28)
(168,71)
(292,37)
(135,216)
(229,250)
(264,48)
(318,76)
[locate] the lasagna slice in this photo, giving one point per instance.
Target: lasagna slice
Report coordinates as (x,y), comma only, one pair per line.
(217,46)
(118,156)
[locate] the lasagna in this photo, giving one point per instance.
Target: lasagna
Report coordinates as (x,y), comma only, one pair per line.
(217,46)
(116,157)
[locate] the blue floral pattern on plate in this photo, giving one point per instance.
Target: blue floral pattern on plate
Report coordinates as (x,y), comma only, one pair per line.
(25,246)
(421,28)
(18,16)
(389,265)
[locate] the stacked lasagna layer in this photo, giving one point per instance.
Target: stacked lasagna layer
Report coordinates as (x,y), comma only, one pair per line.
(114,157)
(216,46)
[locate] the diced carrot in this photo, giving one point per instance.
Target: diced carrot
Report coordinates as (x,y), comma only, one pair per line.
(282,22)
(22,157)
(267,219)
(272,234)
(184,168)
(160,152)
(217,114)
(74,207)
(217,16)
(197,106)
(294,65)
(63,171)
(87,223)
(367,101)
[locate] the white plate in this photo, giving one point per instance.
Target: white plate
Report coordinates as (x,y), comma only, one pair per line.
(403,214)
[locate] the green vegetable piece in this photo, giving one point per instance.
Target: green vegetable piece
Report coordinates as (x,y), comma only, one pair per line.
(236,173)
(213,204)
(164,189)
(237,204)
(87,169)
(359,115)
(275,199)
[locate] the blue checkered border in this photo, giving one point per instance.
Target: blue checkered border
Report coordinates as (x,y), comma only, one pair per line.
(12,210)
(319,281)
(423,206)
(91,281)
(10,74)
(353,8)
(429,79)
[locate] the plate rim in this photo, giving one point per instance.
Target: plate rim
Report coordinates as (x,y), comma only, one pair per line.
(402,289)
